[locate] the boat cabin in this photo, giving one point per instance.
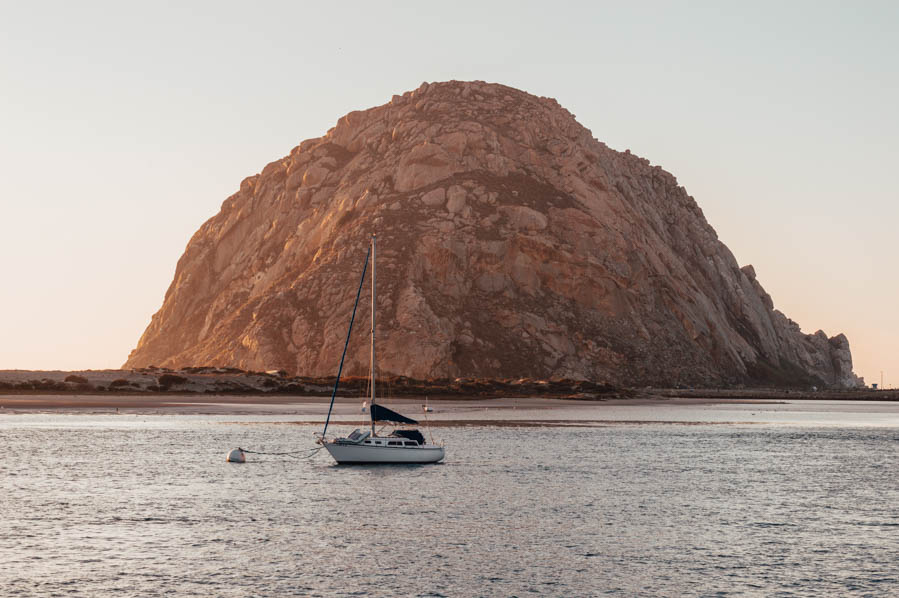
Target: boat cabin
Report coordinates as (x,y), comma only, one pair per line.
(398,439)
(389,442)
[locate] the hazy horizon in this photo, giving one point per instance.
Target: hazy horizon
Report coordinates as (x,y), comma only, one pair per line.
(126,127)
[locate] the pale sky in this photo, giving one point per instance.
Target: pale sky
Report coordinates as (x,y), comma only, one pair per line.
(124,127)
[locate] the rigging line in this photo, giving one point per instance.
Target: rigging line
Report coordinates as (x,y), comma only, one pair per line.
(346,344)
(428,424)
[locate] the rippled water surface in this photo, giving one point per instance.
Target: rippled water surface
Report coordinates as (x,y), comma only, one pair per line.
(133,505)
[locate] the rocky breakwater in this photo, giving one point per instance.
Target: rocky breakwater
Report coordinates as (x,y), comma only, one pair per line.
(511,244)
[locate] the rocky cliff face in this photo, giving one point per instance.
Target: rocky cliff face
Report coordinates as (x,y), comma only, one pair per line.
(511,243)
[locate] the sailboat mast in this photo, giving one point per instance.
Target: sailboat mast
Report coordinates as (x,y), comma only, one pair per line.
(373,304)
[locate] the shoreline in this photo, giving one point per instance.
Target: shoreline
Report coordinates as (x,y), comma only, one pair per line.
(212,381)
(227,390)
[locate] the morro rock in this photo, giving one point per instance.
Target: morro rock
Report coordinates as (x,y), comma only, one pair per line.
(511,244)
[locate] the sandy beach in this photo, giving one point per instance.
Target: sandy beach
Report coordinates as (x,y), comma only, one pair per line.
(316,406)
(251,410)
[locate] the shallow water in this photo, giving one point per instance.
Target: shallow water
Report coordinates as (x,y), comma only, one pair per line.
(133,505)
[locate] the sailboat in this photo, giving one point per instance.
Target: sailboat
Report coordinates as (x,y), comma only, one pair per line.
(369,446)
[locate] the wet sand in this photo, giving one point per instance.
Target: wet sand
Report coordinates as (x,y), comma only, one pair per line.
(312,406)
(251,410)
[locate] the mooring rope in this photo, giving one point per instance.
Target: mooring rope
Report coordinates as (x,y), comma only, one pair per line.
(290,453)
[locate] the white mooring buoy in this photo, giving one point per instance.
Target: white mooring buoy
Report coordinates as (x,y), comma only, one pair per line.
(236,456)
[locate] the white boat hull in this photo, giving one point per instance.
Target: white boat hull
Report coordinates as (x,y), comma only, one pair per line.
(361,453)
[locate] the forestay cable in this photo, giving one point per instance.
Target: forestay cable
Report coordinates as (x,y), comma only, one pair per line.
(346,344)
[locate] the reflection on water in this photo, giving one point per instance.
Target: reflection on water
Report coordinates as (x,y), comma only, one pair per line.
(146,506)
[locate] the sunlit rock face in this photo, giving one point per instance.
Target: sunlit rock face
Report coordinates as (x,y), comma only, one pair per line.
(511,243)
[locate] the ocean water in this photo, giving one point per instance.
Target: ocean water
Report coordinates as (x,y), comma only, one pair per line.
(128,505)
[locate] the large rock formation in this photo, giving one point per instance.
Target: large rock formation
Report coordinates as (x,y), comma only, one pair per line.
(511,243)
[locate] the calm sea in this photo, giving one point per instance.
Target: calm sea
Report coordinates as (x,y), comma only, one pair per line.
(127,505)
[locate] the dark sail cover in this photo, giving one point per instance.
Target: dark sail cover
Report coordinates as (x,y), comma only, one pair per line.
(383,414)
